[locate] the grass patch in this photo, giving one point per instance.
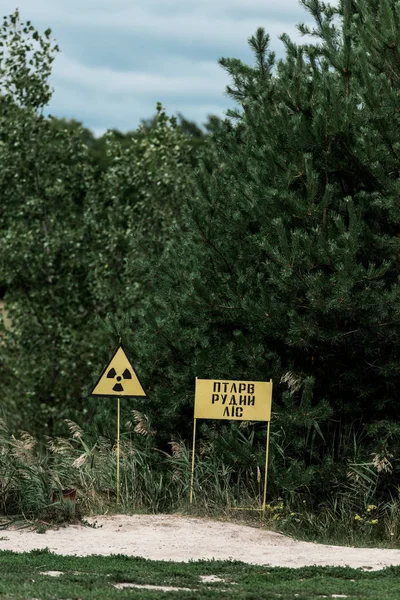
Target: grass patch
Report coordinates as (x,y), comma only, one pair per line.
(24,576)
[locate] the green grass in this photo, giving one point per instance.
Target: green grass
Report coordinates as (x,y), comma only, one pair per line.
(94,577)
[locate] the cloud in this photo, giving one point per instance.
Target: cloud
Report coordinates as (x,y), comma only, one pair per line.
(119,57)
(201,28)
(123,98)
(200,79)
(124,13)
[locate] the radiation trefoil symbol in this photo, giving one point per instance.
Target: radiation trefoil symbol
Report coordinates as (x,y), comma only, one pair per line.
(112,374)
(119,378)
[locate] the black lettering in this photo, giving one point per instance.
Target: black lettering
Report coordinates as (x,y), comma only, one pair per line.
(239,411)
(242,400)
(224,398)
(251,401)
(217,386)
(226,412)
(242,387)
(233,401)
(250,388)
(215,398)
(225,385)
(233,388)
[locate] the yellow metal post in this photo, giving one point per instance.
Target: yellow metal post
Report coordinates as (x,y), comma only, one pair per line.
(118,426)
(266,470)
(192,477)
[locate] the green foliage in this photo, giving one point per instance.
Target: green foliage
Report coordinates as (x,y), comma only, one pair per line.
(287,266)
(280,261)
(132,213)
(44,179)
(25,63)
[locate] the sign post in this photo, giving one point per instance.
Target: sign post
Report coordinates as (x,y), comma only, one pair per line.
(119,379)
(192,475)
(118,445)
(232,400)
(266,468)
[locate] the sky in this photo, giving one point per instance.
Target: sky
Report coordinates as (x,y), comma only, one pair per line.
(120,57)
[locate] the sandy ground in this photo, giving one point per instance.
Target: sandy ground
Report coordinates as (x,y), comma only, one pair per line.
(177,538)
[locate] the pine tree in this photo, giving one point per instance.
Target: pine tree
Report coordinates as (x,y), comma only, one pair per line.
(288,266)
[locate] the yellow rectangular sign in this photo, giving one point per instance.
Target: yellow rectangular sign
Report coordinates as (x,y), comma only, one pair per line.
(234,400)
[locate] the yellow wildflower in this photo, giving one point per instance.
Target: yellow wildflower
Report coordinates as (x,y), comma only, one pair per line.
(358,518)
(374,522)
(371,507)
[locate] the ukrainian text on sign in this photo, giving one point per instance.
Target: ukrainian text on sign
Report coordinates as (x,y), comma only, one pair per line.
(233,400)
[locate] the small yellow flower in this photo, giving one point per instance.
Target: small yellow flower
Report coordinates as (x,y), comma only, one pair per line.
(371,507)
(358,518)
(292,514)
(374,522)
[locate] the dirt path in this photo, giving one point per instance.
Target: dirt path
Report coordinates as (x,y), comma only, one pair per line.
(177,538)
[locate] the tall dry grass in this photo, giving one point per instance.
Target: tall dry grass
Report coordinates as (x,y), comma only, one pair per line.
(229,475)
(151,480)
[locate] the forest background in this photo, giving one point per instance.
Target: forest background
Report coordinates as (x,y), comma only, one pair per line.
(266,246)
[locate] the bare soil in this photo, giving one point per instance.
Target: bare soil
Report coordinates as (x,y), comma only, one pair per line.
(181,538)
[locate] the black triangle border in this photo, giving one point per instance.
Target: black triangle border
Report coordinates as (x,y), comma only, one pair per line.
(120,345)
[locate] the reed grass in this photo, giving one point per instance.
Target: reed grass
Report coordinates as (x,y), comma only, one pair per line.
(228,476)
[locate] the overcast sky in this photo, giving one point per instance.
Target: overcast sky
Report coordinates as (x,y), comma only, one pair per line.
(120,57)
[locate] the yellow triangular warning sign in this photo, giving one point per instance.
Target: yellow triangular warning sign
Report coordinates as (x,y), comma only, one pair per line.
(119,378)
